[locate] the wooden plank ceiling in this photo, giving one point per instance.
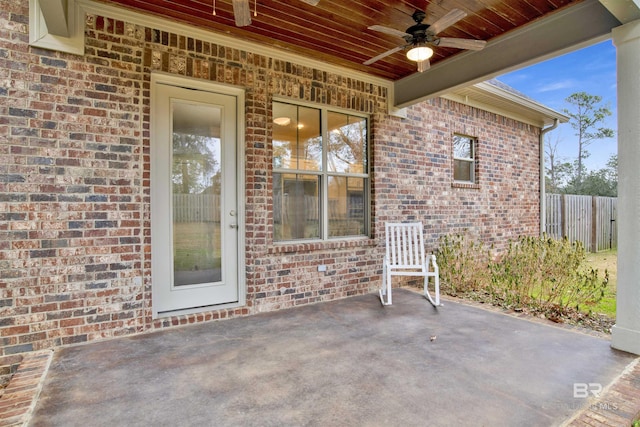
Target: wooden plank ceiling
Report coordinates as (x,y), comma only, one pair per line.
(336,31)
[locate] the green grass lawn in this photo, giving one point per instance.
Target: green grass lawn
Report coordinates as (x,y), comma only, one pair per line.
(196,246)
(606,260)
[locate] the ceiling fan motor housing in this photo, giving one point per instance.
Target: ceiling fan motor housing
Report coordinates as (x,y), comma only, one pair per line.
(418,33)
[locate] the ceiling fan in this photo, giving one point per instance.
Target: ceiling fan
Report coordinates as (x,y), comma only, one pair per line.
(242,12)
(418,37)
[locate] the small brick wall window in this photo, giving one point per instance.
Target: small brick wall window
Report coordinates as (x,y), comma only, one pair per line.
(464,159)
(320,173)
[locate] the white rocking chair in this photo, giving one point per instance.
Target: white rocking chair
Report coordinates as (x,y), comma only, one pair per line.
(405,257)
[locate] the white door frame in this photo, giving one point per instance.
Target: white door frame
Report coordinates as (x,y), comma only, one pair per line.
(196,84)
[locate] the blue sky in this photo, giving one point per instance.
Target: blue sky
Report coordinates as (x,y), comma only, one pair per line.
(591,70)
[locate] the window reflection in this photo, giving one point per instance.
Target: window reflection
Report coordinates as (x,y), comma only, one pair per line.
(196,193)
(346,206)
(347,143)
(320,173)
(296,208)
(463,158)
(297,140)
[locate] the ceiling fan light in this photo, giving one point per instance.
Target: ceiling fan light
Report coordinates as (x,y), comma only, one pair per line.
(420,52)
(282,121)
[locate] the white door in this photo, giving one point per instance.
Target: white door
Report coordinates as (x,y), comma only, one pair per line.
(194,220)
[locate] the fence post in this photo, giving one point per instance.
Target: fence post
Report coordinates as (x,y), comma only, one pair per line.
(594,224)
(563,215)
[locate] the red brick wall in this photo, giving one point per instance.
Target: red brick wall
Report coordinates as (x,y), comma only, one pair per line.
(75,256)
(413,169)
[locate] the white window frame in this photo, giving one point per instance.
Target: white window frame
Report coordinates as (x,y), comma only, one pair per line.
(471,160)
(324,174)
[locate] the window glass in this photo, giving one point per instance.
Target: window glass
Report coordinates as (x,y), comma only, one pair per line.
(462,170)
(297,141)
(464,158)
(346,206)
(462,147)
(296,206)
(320,173)
(347,148)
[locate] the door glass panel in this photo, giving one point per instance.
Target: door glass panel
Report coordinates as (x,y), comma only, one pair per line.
(196,191)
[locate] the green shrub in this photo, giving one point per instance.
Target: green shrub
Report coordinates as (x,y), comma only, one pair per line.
(539,273)
(545,272)
(462,263)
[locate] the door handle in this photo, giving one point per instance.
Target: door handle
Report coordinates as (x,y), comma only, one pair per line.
(233,225)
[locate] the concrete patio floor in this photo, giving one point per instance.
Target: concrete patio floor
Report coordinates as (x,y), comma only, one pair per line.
(350,362)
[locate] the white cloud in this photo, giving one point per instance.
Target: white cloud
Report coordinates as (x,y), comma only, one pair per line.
(560,85)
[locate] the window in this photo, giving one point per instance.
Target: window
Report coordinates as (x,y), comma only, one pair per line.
(320,173)
(464,165)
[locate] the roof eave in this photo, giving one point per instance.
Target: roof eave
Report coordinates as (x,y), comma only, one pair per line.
(506,103)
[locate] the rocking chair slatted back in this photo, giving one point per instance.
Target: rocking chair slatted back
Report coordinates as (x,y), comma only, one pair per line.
(405,245)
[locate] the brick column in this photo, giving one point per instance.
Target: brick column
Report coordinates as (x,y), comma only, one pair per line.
(626,332)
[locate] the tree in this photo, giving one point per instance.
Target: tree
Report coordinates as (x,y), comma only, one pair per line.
(558,172)
(612,169)
(347,145)
(585,117)
(194,163)
(603,182)
(598,184)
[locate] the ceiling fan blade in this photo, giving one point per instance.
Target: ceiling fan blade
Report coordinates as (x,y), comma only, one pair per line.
(241,13)
(387,30)
(311,2)
(469,44)
(382,55)
(446,21)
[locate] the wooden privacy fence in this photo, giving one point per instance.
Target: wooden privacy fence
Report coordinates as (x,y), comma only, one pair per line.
(588,219)
(196,207)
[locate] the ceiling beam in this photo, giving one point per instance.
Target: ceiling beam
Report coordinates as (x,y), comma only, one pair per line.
(574,27)
(55,14)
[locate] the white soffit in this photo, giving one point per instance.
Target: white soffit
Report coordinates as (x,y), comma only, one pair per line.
(505,103)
